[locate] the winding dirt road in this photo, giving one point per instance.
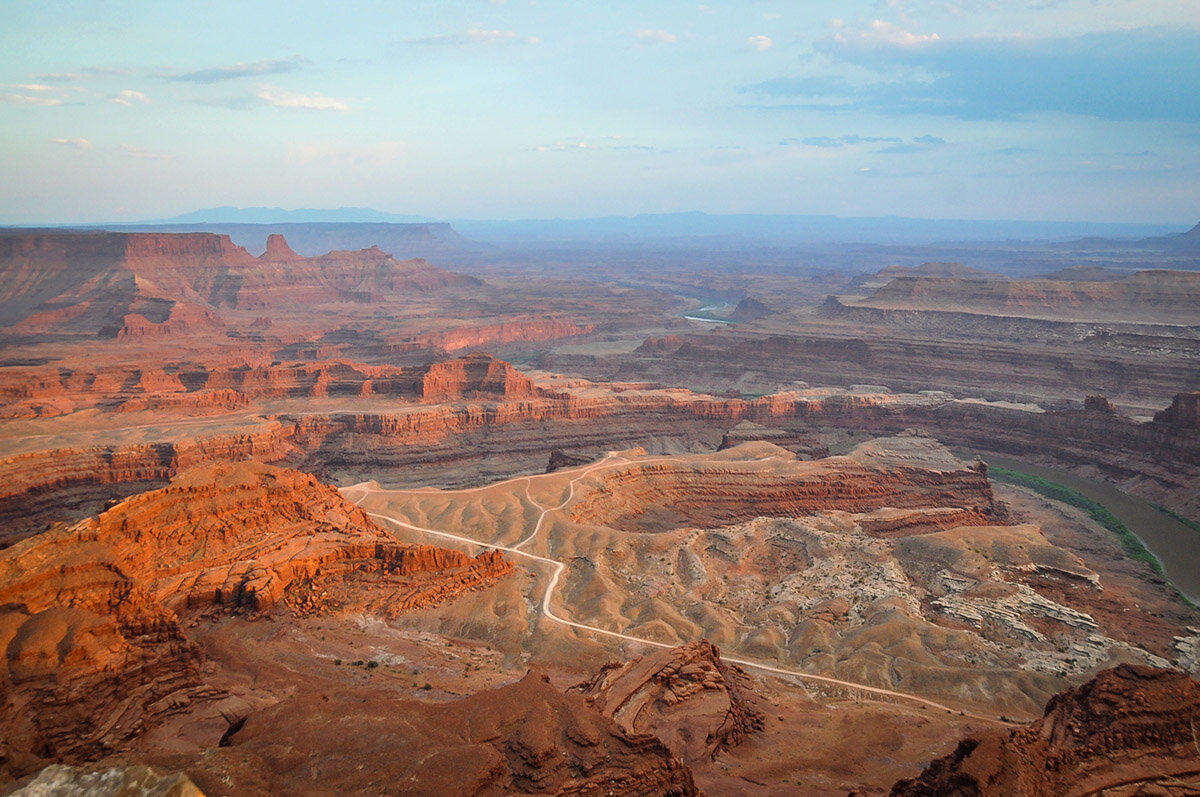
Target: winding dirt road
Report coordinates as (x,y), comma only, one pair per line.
(612,459)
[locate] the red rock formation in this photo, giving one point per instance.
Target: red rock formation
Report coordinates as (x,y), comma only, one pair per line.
(93,645)
(1098,404)
(1183,412)
(512,331)
(681,493)
(278,250)
(525,738)
(473,376)
(47,391)
(687,696)
(749,309)
(1131,730)
(799,443)
(133,285)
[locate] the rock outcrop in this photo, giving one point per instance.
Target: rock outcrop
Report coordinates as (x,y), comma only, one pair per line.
(48,392)
(278,250)
(687,696)
(897,473)
(749,309)
(525,738)
(1184,411)
(133,285)
(58,780)
(92,625)
(1098,404)
(1129,731)
(800,443)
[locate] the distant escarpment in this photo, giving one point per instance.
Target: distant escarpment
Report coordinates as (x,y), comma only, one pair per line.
(133,285)
(687,696)
(962,353)
(1184,412)
(1153,296)
(94,615)
(1129,731)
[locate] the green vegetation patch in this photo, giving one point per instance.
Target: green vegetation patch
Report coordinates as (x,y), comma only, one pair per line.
(1058,492)
(1191,524)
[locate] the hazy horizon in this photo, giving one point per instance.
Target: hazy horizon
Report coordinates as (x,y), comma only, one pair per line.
(1066,110)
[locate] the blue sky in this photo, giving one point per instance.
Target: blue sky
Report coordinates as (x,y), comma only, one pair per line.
(1008,109)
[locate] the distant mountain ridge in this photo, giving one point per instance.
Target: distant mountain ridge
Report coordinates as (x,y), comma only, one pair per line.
(228,214)
(429,240)
(704,229)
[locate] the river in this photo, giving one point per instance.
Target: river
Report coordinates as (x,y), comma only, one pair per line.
(1176,546)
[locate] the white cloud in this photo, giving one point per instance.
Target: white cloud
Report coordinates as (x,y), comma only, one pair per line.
(32,94)
(375,155)
(760,43)
(77,143)
(476,35)
(129,97)
(881,32)
(233,71)
(28,99)
(282,98)
(646,34)
(564,146)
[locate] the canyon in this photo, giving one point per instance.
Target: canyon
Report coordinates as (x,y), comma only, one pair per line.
(502,529)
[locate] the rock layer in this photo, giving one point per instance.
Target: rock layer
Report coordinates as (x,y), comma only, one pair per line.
(525,738)
(91,623)
(1130,730)
(130,285)
(687,696)
(897,473)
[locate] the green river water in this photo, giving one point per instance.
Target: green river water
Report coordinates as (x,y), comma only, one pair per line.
(1175,545)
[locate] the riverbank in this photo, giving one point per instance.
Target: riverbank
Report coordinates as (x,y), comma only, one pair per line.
(1171,543)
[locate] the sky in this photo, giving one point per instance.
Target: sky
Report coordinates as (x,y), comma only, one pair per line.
(1063,110)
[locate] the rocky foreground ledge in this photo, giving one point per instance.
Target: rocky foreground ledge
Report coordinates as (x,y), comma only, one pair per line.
(1129,731)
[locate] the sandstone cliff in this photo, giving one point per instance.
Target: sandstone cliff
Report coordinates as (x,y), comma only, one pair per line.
(1155,295)
(1131,730)
(1184,412)
(132,285)
(91,628)
(898,473)
(51,391)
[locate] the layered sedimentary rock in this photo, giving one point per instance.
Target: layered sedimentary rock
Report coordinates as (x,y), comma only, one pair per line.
(54,391)
(526,738)
(1184,411)
(577,415)
(965,354)
(133,285)
(498,412)
(799,443)
(898,473)
(1129,731)
(91,626)
(1156,295)
(687,696)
